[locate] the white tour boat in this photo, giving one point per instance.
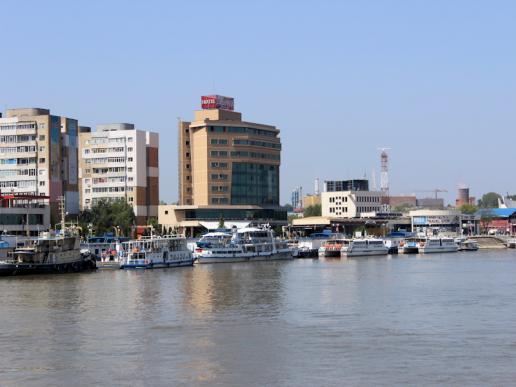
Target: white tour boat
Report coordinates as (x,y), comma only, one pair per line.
(438,245)
(364,247)
(468,245)
(155,252)
(246,244)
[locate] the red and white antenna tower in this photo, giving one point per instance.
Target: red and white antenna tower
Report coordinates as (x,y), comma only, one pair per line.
(384,176)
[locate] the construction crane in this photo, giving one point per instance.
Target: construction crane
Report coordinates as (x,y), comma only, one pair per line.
(435,191)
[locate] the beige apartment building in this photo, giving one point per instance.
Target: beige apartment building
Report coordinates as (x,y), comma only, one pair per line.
(120,162)
(38,156)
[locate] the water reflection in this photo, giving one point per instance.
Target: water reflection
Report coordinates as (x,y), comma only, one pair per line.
(305,322)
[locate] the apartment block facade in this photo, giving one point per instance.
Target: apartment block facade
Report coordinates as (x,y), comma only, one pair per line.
(39,156)
(120,162)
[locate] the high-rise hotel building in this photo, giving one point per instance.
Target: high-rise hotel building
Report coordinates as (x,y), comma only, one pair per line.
(225,160)
(38,156)
(229,169)
(119,162)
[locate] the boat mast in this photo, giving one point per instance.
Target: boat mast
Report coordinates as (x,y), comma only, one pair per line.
(61,200)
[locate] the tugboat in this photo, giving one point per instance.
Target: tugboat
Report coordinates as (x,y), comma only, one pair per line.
(49,253)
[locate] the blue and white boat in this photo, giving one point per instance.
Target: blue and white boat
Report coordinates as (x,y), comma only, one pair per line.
(155,252)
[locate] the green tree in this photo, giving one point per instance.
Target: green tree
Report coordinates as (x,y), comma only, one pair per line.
(221,222)
(489,200)
(117,216)
(314,210)
(155,225)
(468,209)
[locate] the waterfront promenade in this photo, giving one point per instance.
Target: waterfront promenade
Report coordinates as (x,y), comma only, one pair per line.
(413,320)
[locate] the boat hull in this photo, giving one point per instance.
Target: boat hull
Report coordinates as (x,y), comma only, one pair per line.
(364,253)
(245,258)
(13,269)
(332,253)
(158,265)
(430,250)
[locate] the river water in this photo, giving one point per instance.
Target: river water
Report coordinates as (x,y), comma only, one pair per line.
(420,320)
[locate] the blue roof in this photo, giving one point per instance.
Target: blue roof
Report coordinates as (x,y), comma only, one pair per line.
(497,212)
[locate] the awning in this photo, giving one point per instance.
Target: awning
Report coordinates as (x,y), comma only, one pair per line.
(227,224)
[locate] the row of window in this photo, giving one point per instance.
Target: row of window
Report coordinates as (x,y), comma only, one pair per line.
(18,138)
(104,140)
(19,184)
(219,176)
(108,189)
(18,149)
(106,150)
(257,143)
(245,154)
(104,160)
(17,172)
(108,170)
(221,200)
(223,141)
(20,161)
(367,199)
(236,129)
(219,141)
(217,165)
(219,188)
(17,126)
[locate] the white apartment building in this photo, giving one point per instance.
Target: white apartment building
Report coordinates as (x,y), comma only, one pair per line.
(119,162)
(350,204)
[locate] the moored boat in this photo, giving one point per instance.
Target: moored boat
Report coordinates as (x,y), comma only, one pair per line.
(333,247)
(364,247)
(155,252)
(246,244)
(511,243)
(438,245)
(309,246)
(50,253)
(468,245)
(411,245)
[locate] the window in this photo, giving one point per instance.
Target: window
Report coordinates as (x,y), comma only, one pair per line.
(41,183)
(42,137)
(42,160)
(166,212)
(130,169)
(129,139)
(130,149)
(129,159)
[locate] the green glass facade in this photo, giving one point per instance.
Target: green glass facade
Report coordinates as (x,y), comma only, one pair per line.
(255,184)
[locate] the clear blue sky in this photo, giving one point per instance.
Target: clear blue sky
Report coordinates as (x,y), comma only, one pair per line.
(433,80)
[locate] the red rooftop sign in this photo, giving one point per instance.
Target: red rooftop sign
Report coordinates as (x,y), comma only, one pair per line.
(217,102)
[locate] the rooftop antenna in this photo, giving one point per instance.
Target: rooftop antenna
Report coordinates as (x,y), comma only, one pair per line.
(384,174)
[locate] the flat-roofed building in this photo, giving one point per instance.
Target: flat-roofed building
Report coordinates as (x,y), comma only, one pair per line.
(39,156)
(350,204)
(229,165)
(120,162)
